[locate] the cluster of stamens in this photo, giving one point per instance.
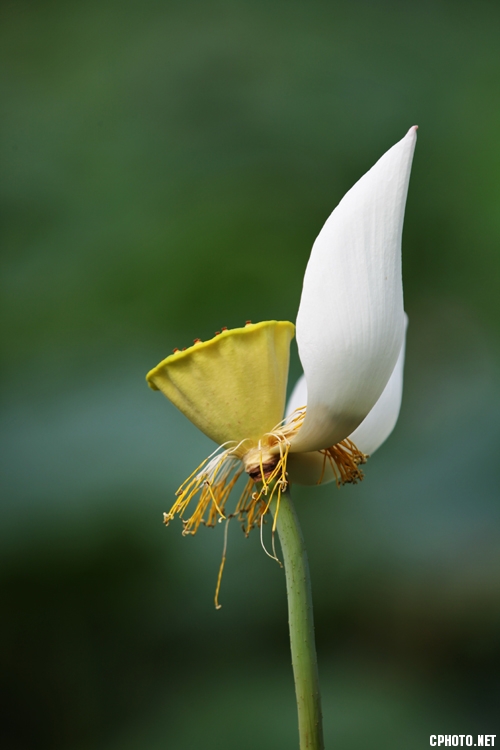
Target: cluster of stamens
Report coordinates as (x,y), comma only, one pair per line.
(215,478)
(266,467)
(344,459)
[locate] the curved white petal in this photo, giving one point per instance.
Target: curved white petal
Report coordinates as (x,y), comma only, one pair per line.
(309,468)
(350,322)
(381,420)
(298,396)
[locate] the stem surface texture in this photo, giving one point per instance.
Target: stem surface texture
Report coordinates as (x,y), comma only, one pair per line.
(300,619)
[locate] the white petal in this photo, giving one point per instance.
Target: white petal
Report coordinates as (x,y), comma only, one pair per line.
(309,468)
(350,324)
(298,397)
(381,420)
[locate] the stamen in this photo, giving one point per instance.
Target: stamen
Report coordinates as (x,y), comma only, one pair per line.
(221,569)
(275,521)
(273,532)
(262,468)
(273,556)
(207,484)
(344,459)
(273,536)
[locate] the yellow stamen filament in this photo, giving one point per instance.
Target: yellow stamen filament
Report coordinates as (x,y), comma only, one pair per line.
(344,459)
(252,506)
(273,533)
(214,499)
(261,464)
(221,569)
(273,557)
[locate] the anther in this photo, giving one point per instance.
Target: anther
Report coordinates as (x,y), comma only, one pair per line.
(175,350)
(224,328)
(217,333)
(184,348)
(196,341)
(248,322)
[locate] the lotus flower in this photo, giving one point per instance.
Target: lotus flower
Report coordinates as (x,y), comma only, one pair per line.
(350,334)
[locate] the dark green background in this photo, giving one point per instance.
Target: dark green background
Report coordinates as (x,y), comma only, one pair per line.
(166,168)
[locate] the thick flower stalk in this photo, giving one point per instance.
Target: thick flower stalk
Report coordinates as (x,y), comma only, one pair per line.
(350,333)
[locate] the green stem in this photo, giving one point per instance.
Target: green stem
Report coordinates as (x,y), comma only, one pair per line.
(300,619)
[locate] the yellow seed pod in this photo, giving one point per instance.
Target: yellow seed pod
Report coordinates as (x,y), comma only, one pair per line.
(232,387)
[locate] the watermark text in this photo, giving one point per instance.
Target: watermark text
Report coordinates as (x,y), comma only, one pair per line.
(463,740)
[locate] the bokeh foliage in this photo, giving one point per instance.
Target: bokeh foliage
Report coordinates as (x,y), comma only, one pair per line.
(166,167)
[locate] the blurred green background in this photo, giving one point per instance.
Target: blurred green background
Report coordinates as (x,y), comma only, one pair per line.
(166,168)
